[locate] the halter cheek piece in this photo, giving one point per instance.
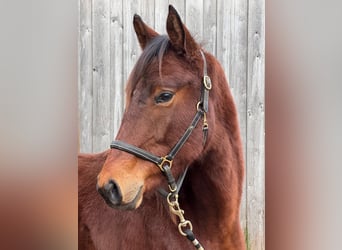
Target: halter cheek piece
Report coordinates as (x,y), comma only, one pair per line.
(165,163)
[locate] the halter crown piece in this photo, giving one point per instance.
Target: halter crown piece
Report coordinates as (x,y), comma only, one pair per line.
(165,162)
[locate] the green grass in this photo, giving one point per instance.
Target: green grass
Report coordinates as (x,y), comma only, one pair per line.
(248,245)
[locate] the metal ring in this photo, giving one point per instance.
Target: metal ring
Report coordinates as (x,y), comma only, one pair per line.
(173,189)
(164,160)
(184,224)
(172,203)
(198,106)
(207,82)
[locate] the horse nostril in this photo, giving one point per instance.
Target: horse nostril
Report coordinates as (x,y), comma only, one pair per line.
(111,192)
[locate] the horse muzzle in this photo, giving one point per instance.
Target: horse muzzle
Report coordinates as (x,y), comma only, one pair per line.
(120,197)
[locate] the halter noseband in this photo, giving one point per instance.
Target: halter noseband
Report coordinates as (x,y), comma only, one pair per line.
(165,162)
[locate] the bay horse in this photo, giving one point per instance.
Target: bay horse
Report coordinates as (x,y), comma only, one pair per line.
(179,106)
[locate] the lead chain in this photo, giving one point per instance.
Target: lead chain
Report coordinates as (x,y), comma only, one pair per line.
(184,225)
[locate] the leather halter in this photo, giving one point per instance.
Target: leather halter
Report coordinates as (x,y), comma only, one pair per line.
(165,162)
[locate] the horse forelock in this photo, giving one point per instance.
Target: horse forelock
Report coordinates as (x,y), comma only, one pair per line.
(153,54)
(155,50)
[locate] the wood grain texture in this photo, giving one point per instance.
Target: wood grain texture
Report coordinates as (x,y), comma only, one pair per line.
(193,18)
(231,30)
(255,125)
(209,26)
(231,39)
(162,9)
(85,79)
(101,75)
(117,82)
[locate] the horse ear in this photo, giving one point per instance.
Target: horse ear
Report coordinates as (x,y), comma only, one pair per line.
(179,35)
(144,32)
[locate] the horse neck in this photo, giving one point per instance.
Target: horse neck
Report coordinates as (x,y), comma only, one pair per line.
(213,186)
(208,185)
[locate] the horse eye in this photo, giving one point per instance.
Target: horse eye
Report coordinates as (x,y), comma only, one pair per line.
(164,97)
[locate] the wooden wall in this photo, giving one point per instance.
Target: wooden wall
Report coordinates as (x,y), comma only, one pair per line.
(232,30)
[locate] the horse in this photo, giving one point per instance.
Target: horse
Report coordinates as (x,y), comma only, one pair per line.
(178,106)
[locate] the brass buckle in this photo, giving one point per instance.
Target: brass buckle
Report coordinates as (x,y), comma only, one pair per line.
(207,82)
(164,160)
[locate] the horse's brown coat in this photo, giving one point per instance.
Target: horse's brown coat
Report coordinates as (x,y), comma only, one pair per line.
(211,193)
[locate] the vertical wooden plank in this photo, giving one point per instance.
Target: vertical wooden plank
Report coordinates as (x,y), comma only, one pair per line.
(161,11)
(117,82)
(147,12)
(101,75)
(131,49)
(85,79)
(255,125)
(209,26)
(223,35)
(232,25)
(238,79)
(194,18)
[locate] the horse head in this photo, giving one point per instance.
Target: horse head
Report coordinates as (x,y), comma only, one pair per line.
(162,97)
